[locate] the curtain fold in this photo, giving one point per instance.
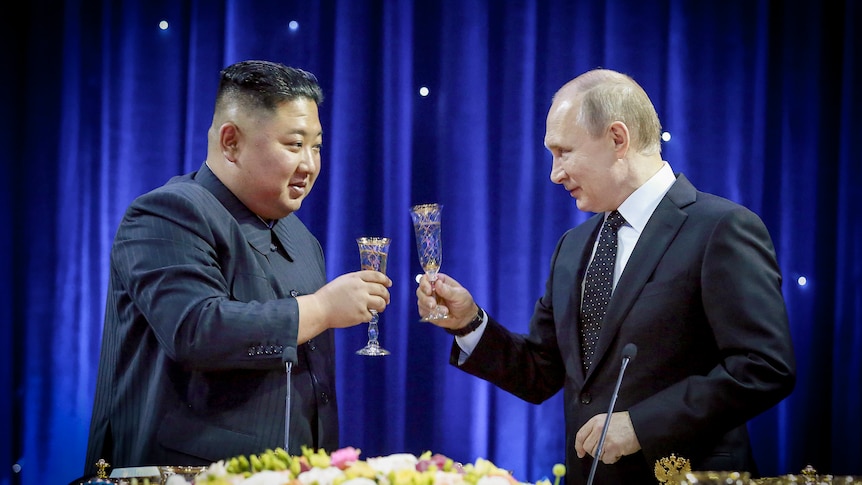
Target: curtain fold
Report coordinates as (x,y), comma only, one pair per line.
(760,99)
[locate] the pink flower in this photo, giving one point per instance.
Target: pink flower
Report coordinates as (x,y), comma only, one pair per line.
(344,457)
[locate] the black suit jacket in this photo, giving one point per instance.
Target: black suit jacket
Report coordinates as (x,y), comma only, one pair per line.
(200,311)
(701,298)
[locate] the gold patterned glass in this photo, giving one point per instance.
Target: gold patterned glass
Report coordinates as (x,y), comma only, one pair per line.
(373,252)
(429,245)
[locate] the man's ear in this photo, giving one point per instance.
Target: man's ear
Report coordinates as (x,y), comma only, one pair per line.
(620,136)
(229,137)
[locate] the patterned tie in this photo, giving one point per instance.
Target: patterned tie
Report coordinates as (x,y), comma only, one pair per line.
(598,286)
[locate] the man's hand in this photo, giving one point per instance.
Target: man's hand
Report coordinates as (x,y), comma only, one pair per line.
(619,442)
(456,301)
(343,302)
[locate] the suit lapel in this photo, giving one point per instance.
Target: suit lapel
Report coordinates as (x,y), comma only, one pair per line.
(660,231)
(283,230)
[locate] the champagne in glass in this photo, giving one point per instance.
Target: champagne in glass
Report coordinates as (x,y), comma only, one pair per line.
(429,245)
(373,252)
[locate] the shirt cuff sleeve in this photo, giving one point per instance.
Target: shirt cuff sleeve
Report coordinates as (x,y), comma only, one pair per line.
(468,342)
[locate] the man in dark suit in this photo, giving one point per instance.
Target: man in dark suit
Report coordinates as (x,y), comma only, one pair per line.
(218,295)
(695,286)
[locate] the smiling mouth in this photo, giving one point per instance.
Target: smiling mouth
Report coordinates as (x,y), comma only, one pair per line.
(298,187)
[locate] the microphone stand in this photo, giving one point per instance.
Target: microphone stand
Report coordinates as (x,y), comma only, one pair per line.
(289,357)
(629,352)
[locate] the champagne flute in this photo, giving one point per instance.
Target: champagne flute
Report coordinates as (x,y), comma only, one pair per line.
(373,252)
(429,245)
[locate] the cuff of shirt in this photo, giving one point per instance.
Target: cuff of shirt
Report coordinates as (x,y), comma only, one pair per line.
(468,342)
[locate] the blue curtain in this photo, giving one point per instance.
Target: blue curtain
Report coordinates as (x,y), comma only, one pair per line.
(100,104)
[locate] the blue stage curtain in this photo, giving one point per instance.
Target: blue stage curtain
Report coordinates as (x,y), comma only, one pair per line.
(100,104)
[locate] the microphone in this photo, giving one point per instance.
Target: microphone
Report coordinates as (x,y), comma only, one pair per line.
(289,358)
(629,353)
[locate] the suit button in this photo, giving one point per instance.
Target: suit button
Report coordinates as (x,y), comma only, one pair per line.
(273,247)
(324,398)
(586,398)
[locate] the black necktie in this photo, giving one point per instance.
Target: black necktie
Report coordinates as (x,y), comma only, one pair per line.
(598,286)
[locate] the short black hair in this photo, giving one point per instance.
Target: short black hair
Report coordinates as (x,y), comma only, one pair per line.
(265,84)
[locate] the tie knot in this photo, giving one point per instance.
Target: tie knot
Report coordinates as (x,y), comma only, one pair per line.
(615,221)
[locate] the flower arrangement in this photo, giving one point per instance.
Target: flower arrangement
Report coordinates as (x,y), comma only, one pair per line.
(344,467)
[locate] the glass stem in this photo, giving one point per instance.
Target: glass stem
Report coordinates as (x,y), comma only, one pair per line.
(372,328)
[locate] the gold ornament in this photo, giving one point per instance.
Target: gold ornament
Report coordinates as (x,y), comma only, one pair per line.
(100,468)
(669,467)
(809,474)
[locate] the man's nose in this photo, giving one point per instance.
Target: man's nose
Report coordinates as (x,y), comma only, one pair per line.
(557,174)
(307,161)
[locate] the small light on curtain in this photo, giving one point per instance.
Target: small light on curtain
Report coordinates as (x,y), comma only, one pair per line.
(802,281)
(665,136)
(423,91)
(293,25)
(163,25)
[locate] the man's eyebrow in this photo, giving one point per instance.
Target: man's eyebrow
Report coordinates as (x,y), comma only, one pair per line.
(303,132)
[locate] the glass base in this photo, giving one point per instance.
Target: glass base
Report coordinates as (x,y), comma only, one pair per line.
(439,313)
(432,317)
(372,349)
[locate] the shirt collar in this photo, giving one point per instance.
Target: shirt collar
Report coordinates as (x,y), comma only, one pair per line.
(639,206)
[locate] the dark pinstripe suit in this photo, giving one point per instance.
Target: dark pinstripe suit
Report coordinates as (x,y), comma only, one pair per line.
(199,311)
(701,298)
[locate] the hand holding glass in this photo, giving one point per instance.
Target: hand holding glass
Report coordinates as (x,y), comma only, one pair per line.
(429,245)
(373,252)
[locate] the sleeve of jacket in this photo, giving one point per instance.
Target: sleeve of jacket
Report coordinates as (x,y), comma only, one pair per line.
(527,366)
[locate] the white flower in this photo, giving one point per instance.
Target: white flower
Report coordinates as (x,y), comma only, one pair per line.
(319,476)
(448,478)
(176,480)
(360,481)
(268,477)
(394,462)
(215,470)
